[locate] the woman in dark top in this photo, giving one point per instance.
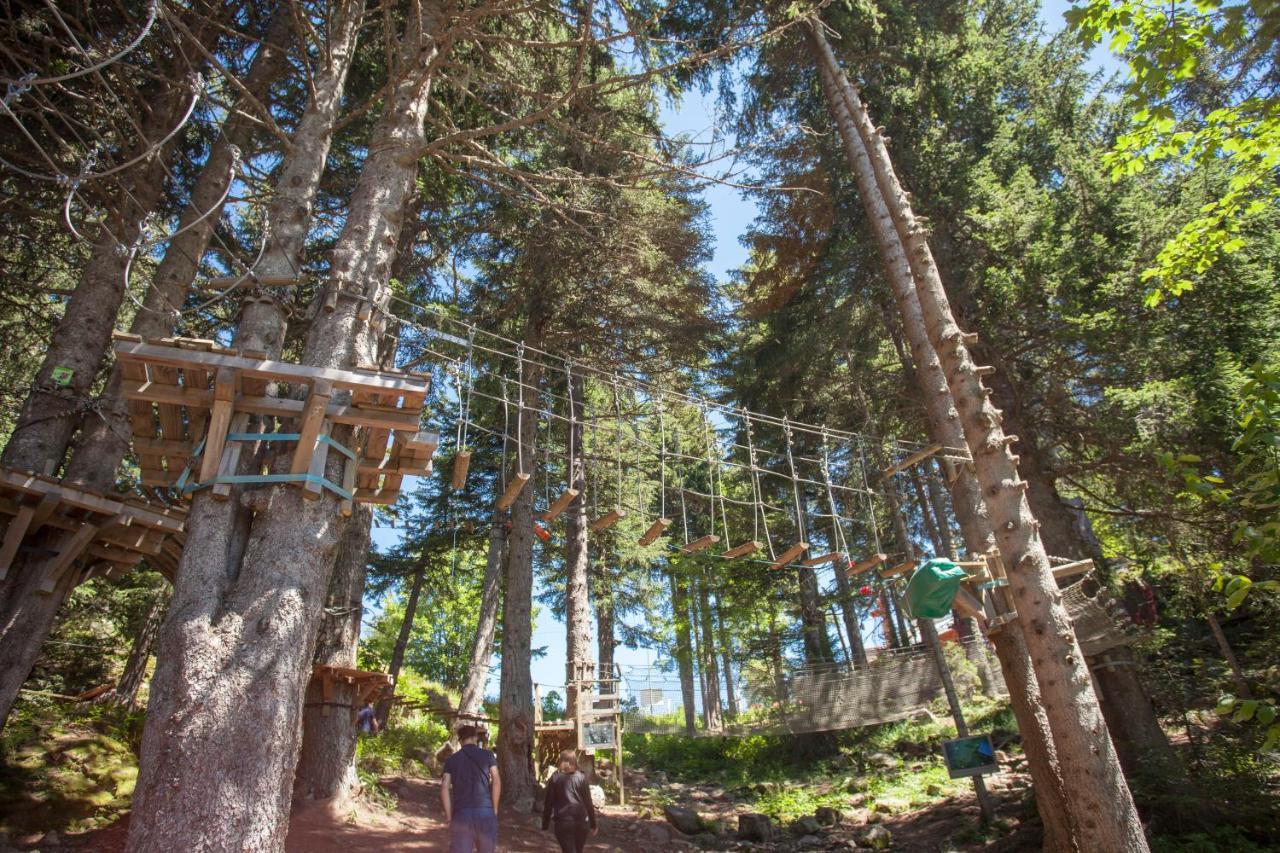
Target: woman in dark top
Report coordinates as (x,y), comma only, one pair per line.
(569,802)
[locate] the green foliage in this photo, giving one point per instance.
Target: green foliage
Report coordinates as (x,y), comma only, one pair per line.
(1177,54)
(407,746)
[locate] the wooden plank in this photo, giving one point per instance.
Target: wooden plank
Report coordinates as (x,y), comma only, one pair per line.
(68,552)
(1070,570)
(348,486)
(224,395)
(749,547)
(229,462)
(866,565)
(560,505)
(608,520)
(655,530)
(461,462)
(49,501)
(397,467)
(821,559)
(901,568)
(702,543)
(918,456)
(311,427)
(790,554)
(85,500)
(283,371)
(312,489)
(278,407)
(968,606)
(13,537)
(513,489)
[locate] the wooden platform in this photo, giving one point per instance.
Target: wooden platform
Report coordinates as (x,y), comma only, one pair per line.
(66,525)
(368,684)
(190,402)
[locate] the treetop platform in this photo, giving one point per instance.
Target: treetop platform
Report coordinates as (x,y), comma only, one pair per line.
(190,402)
(69,524)
(367,684)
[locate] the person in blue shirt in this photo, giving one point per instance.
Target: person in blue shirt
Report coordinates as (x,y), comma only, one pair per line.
(470,792)
(367,719)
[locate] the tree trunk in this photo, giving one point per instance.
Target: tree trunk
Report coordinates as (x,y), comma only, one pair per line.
(1229,655)
(1143,746)
(402,638)
(606,627)
(238,646)
(712,711)
(104,440)
(1102,812)
(726,657)
(944,422)
(472,698)
(135,667)
(327,763)
(813,620)
(683,649)
(51,412)
(515,733)
(577,559)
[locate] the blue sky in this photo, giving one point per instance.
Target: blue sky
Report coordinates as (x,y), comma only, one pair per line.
(730,212)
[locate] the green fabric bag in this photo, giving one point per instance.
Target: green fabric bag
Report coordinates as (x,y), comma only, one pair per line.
(932,588)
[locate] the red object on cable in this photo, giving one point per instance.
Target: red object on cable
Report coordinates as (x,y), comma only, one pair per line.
(541,532)
(866,590)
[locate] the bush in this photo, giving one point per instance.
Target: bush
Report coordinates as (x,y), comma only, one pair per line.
(408,747)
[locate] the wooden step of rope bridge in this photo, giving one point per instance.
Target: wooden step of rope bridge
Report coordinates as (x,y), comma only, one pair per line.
(190,403)
(69,524)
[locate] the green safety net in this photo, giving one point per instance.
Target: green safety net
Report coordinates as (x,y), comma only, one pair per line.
(932,588)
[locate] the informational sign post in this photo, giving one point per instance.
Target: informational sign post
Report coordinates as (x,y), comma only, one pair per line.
(969,756)
(600,734)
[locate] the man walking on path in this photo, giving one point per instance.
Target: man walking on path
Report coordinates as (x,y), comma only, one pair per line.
(470,793)
(367,719)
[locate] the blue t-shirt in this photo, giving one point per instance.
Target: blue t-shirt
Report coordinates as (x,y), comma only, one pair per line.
(469,769)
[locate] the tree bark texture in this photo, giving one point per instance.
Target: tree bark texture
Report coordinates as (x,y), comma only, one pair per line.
(683,649)
(577,560)
(813,618)
(971,512)
(104,440)
(239,643)
(327,761)
(726,659)
(1144,748)
(712,710)
(515,700)
(606,628)
(1102,812)
(472,698)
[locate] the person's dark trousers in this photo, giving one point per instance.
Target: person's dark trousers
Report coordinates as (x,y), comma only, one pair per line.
(572,835)
(473,831)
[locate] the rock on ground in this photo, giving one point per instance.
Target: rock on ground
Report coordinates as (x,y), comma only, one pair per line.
(755,827)
(876,838)
(685,820)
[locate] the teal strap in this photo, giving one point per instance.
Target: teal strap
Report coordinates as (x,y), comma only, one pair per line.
(263,436)
(345,451)
(994,583)
(277,478)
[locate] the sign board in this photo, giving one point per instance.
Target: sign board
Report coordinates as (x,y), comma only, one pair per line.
(650,696)
(969,756)
(602,734)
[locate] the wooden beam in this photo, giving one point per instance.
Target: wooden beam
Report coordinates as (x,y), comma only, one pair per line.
(865,565)
(224,396)
(560,505)
(278,407)
(68,553)
(833,557)
(49,502)
(13,537)
(461,462)
(1070,570)
(349,470)
(608,520)
(48,489)
(655,530)
(700,544)
(918,456)
(748,547)
(311,427)
(513,489)
(900,569)
(789,555)
(230,457)
(281,371)
(312,489)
